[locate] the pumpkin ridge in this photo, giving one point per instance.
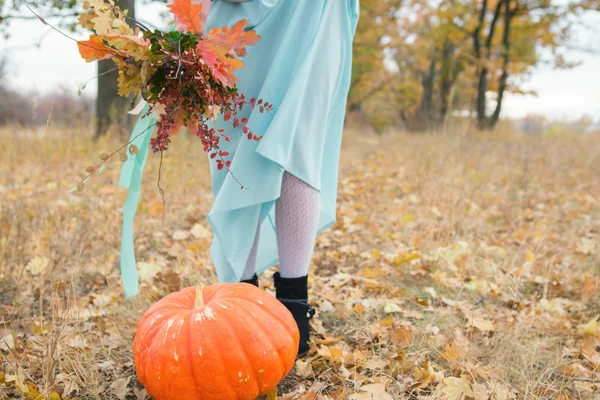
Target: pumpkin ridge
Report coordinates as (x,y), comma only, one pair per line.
(264,332)
(258,327)
(274,316)
(151,331)
(190,360)
(232,327)
(220,361)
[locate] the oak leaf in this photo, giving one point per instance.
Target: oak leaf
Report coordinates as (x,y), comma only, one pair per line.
(456,388)
(217,56)
(402,337)
(129,45)
(236,38)
(188,15)
(130,77)
(85,20)
(94,49)
(103,23)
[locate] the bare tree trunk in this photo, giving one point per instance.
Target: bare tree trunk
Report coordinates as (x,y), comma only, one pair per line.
(481,71)
(424,119)
(111,109)
(449,76)
(506,59)
(481,99)
(483,122)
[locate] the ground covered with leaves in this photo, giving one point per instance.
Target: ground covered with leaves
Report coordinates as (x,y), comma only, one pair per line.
(460,267)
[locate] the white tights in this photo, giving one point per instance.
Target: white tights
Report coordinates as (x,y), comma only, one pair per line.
(296,223)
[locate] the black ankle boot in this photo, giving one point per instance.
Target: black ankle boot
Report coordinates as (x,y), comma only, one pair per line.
(252,281)
(293,293)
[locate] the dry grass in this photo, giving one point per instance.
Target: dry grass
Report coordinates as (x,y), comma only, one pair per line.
(466,256)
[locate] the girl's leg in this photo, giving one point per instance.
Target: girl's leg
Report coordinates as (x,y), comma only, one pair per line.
(296,219)
(249,274)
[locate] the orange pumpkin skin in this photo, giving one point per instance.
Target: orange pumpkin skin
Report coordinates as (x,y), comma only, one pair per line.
(236,342)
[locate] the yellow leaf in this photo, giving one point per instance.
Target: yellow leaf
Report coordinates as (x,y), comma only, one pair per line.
(423,376)
(456,388)
(402,337)
(480,392)
(38,265)
(405,258)
(272,395)
(85,20)
(530,256)
(373,272)
(453,352)
(359,308)
(591,328)
(304,368)
(373,391)
(336,354)
(481,323)
(391,308)
(147,271)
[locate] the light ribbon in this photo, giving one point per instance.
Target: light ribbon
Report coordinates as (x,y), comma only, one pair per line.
(131,178)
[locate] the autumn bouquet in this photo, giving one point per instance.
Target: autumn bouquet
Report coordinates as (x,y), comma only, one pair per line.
(185,75)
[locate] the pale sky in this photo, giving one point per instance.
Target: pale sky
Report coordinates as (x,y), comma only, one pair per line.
(563,94)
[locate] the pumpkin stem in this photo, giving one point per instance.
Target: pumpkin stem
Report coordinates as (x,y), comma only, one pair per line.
(199,296)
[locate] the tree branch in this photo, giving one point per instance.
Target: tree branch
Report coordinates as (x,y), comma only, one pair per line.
(490,38)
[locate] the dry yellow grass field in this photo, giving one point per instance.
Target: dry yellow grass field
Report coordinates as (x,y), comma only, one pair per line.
(461,267)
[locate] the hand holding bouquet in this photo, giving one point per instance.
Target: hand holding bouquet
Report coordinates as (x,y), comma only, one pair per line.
(186,77)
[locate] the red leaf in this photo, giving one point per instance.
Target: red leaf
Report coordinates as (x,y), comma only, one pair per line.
(188,15)
(95,49)
(216,54)
(244,120)
(245,129)
(236,38)
(250,136)
(227,117)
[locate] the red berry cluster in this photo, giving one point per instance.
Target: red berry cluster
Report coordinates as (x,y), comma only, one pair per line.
(189,96)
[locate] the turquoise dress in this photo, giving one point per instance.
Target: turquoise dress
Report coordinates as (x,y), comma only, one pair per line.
(302,65)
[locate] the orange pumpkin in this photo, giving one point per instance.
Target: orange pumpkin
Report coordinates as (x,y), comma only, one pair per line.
(225,341)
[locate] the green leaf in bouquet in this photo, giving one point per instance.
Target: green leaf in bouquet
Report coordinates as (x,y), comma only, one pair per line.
(173,36)
(189,41)
(155,83)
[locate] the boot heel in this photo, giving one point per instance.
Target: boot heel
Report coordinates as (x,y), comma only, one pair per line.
(293,293)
